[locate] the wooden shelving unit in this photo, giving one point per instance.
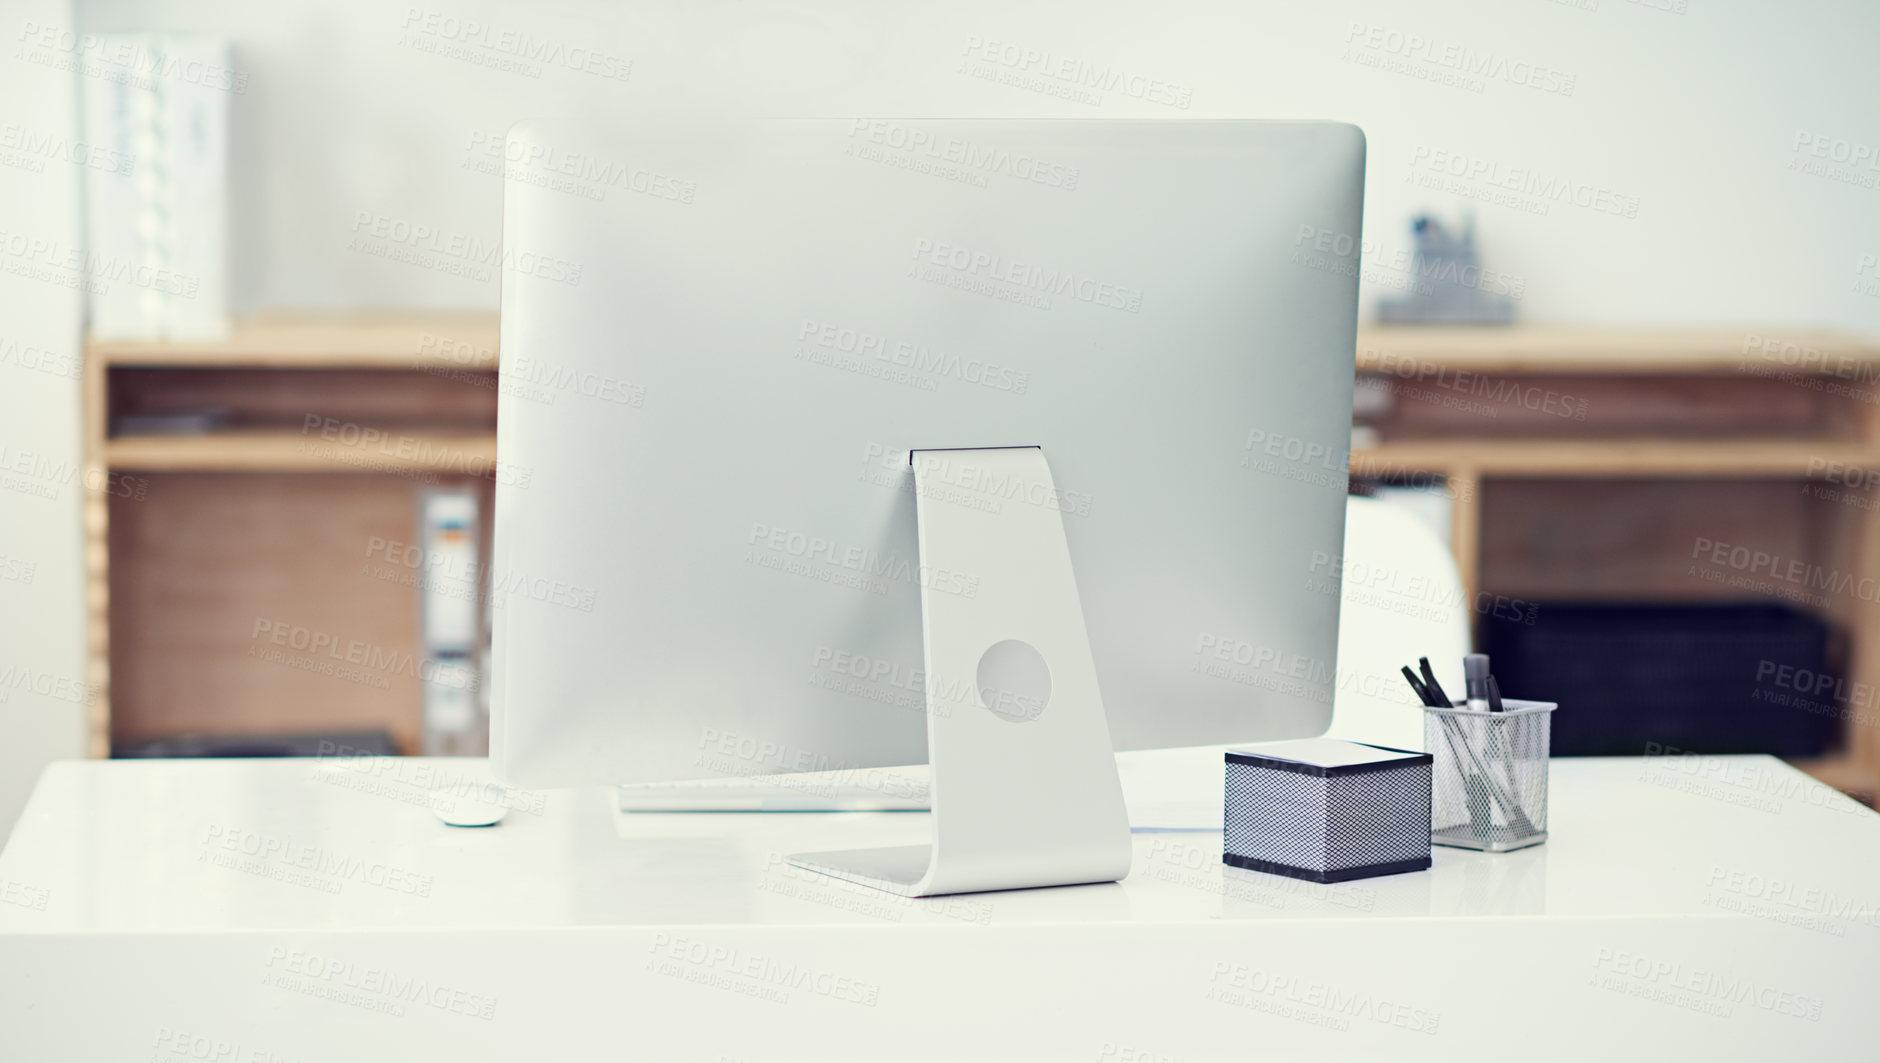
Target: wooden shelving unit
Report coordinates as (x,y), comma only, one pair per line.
(1667,436)
(1616,458)
(1594,351)
(182,505)
(459,340)
(291,451)
(1670,433)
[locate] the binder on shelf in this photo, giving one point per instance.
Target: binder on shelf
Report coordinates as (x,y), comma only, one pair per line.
(454,720)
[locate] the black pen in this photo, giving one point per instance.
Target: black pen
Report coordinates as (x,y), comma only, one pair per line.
(1436,689)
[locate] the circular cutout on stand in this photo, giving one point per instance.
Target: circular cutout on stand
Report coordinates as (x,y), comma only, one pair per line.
(1014,683)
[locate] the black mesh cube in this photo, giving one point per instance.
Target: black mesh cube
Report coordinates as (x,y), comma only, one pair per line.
(1289,815)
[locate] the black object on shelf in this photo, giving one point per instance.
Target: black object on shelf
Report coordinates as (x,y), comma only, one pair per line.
(1711,678)
(311,744)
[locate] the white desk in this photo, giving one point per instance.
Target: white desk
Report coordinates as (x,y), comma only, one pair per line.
(1647,926)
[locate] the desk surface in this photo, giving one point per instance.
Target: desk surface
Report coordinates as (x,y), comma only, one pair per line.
(1697,864)
(164,846)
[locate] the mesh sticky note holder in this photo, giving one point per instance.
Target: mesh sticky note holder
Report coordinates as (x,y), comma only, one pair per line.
(1326,810)
(1489,784)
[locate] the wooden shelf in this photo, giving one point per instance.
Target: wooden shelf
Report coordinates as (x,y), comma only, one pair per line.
(226,540)
(287,450)
(1550,349)
(1846,774)
(1700,410)
(468,340)
(1616,458)
(457,339)
(1680,435)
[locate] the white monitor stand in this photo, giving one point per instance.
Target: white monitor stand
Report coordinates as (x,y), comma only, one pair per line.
(1024,789)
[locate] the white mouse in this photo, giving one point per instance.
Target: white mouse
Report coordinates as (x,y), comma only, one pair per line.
(470,806)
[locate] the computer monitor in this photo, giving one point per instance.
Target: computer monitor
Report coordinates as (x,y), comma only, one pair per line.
(821,442)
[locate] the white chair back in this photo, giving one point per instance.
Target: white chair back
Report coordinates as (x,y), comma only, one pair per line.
(1403,599)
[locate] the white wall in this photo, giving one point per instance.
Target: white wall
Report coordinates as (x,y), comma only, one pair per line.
(1694,115)
(42,622)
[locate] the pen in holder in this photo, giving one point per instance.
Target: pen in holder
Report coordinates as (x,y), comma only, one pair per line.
(1488,789)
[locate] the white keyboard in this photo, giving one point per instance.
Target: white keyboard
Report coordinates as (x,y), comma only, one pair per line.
(856,790)
(1165,789)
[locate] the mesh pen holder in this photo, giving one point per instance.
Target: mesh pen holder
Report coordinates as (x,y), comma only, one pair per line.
(1488,789)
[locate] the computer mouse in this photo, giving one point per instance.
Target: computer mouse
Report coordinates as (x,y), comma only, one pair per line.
(476,806)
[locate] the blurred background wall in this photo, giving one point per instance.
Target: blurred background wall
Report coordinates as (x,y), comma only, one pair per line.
(42,606)
(1720,160)
(1691,111)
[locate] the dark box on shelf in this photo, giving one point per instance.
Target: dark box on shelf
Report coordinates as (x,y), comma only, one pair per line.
(1727,677)
(311,744)
(1327,810)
